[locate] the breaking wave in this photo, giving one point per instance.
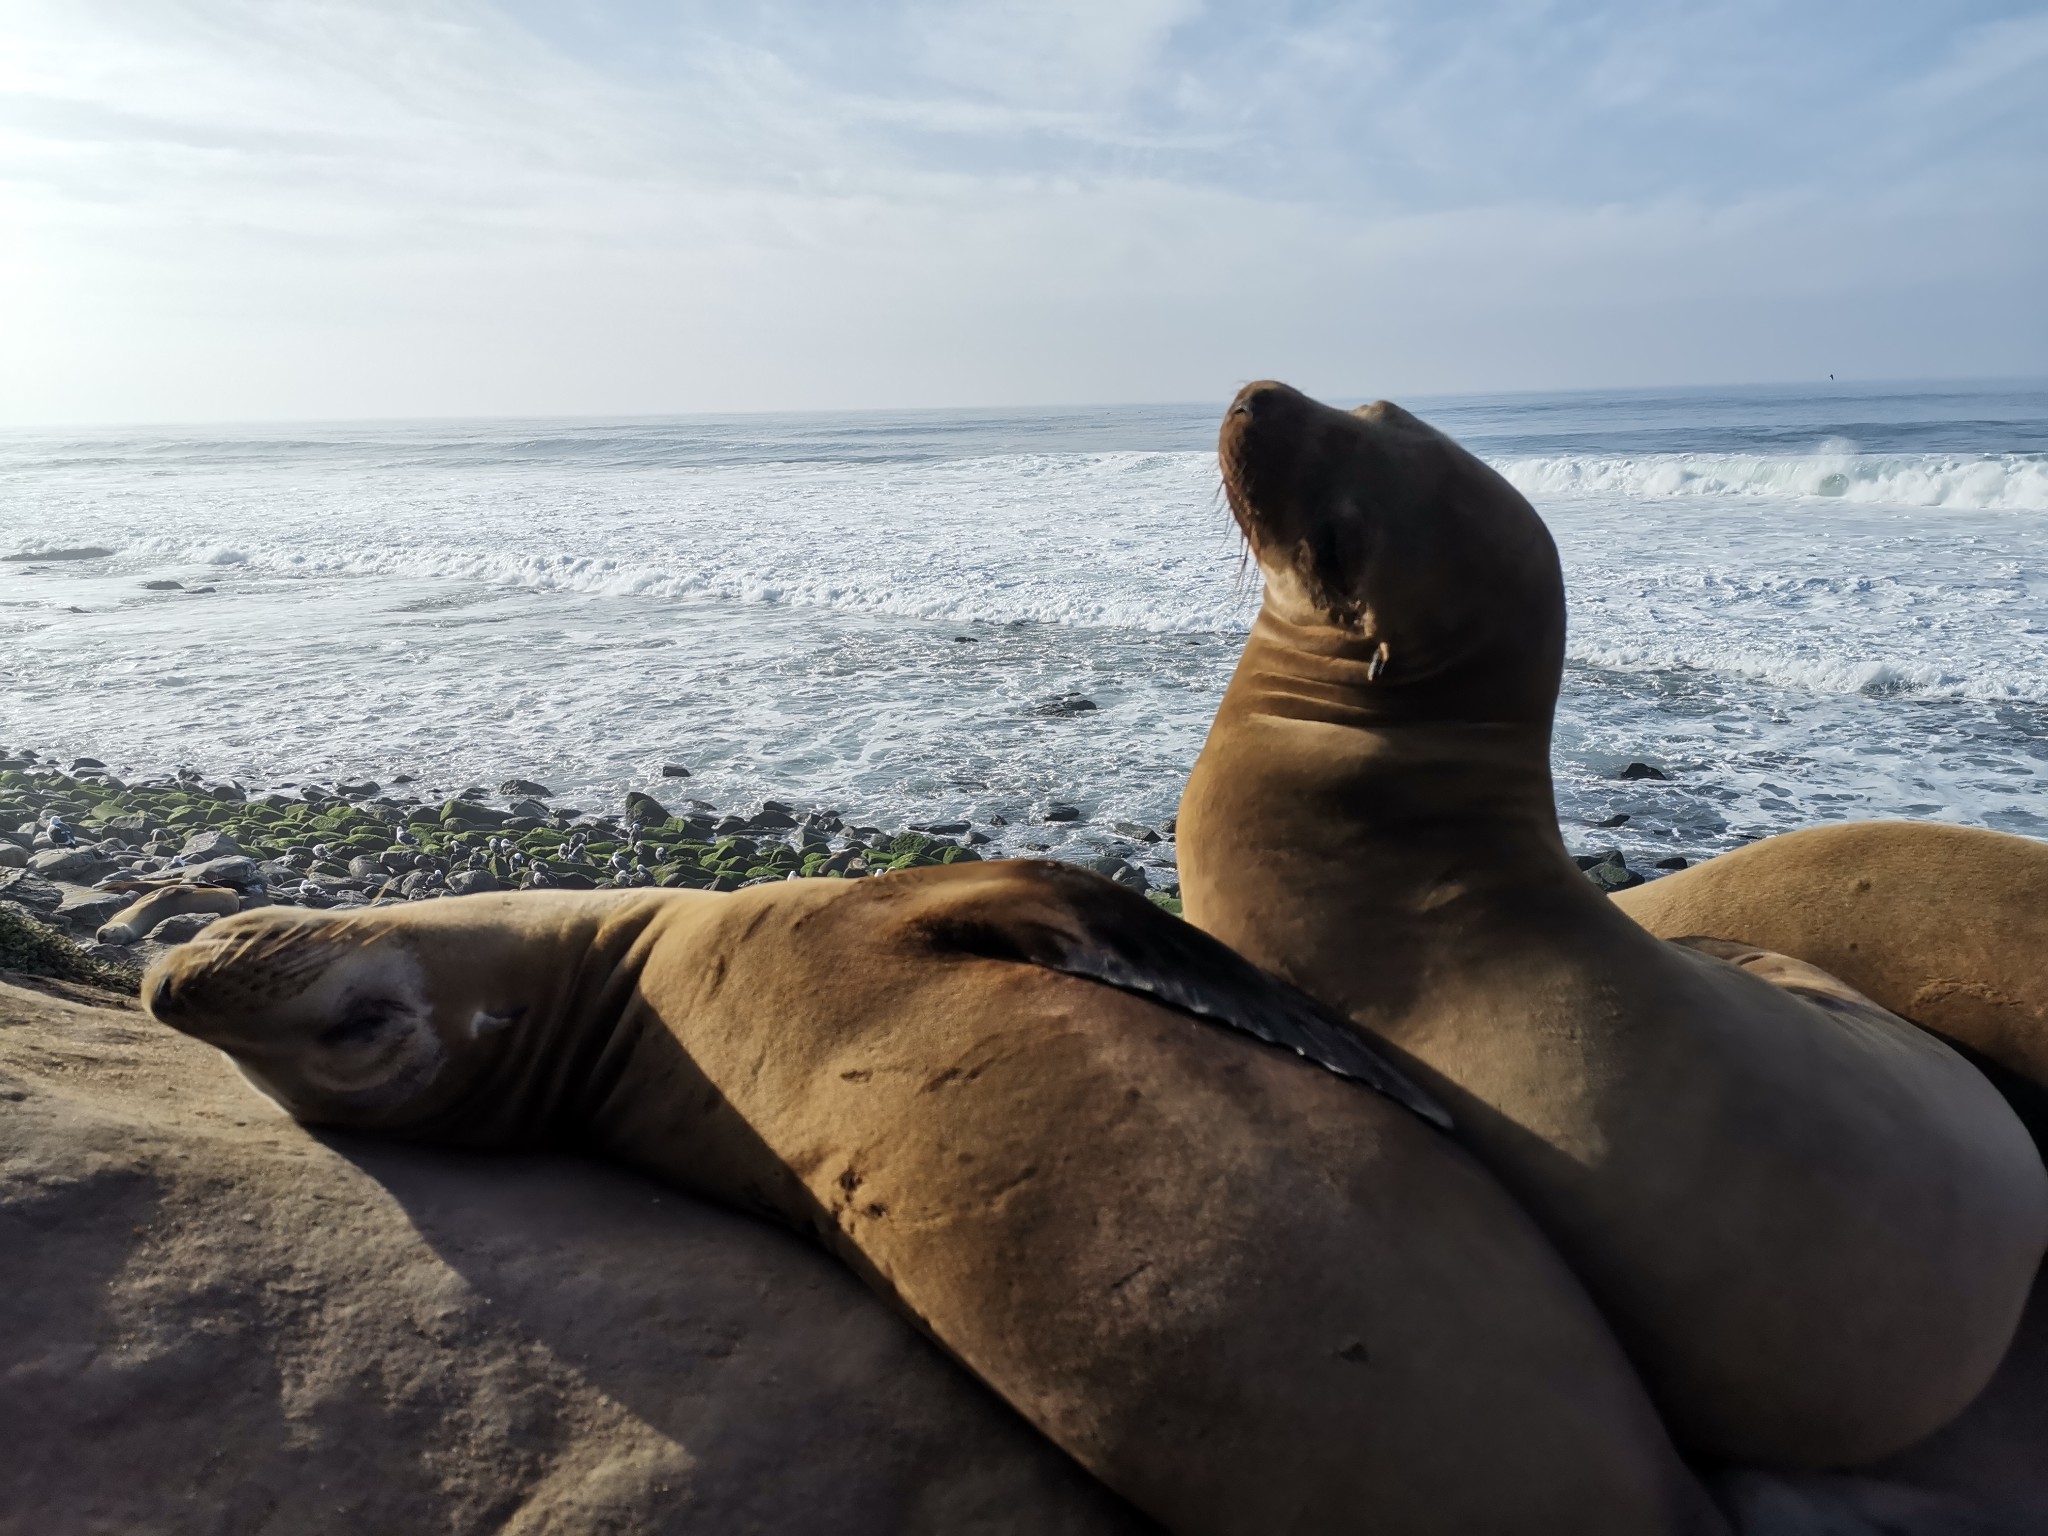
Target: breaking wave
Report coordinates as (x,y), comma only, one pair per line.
(2015,482)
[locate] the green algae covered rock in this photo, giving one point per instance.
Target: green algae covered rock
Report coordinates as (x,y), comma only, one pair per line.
(646,810)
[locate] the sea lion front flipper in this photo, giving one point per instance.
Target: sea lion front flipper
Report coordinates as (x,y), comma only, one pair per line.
(1089,927)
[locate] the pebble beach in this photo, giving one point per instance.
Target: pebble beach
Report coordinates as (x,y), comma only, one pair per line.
(114,870)
(98,874)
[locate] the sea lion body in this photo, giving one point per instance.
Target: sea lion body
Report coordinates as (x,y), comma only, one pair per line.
(1945,926)
(1983,1472)
(135,920)
(1247,1294)
(1814,1232)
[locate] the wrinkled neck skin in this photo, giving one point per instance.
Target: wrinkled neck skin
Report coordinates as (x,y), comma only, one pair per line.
(1378,732)
(1339,816)
(564,985)
(594,1064)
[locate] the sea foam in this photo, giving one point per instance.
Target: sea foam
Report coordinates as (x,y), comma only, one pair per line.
(1803,609)
(2001,482)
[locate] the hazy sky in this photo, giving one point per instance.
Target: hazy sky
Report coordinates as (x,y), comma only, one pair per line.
(293,208)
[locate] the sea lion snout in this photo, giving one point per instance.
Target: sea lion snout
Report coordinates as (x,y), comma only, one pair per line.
(1284,459)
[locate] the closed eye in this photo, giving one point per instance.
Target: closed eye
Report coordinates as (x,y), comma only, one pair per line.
(362,1023)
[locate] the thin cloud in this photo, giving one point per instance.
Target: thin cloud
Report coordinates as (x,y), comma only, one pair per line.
(223,207)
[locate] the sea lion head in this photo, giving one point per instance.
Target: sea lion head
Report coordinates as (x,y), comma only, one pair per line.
(337,1020)
(1384,542)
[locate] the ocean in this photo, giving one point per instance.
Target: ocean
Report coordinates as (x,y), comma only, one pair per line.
(1802,604)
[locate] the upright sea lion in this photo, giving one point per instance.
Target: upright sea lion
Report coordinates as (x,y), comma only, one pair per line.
(1814,1231)
(1945,926)
(1249,1295)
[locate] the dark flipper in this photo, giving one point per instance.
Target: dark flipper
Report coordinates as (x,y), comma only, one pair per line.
(1090,927)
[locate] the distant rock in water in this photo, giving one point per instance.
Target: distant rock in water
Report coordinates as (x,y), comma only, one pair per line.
(1063,813)
(674,771)
(1065,704)
(1608,871)
(1642,771)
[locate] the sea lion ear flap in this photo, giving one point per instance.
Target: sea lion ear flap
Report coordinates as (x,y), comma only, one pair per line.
(1086,926)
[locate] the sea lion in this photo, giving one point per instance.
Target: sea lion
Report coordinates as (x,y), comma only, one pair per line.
(1983,1473)
(1945,926)
(135,920)
(1247,1294)
(1814,1233)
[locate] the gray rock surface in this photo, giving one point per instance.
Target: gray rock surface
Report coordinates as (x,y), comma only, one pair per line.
(210,845)
(213,1321)
(86,910)
(30,889)
(182,929)
(81,865)
(229,869)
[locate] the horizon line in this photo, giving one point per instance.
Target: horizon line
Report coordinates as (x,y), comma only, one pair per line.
(1855,385)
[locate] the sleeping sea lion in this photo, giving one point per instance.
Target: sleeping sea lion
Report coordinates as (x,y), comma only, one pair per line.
(1248,1294)
(135,920)
(1814,1232)
(1945,926)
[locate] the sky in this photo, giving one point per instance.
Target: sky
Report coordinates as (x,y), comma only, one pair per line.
(276,209)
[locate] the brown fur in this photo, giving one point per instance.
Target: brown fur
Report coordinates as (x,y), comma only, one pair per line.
(1946,926)
(1249,1295)
(1813,1231)
(1984,1471)
(135,920)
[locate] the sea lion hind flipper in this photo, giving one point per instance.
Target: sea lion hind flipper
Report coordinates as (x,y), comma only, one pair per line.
(1096,930)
